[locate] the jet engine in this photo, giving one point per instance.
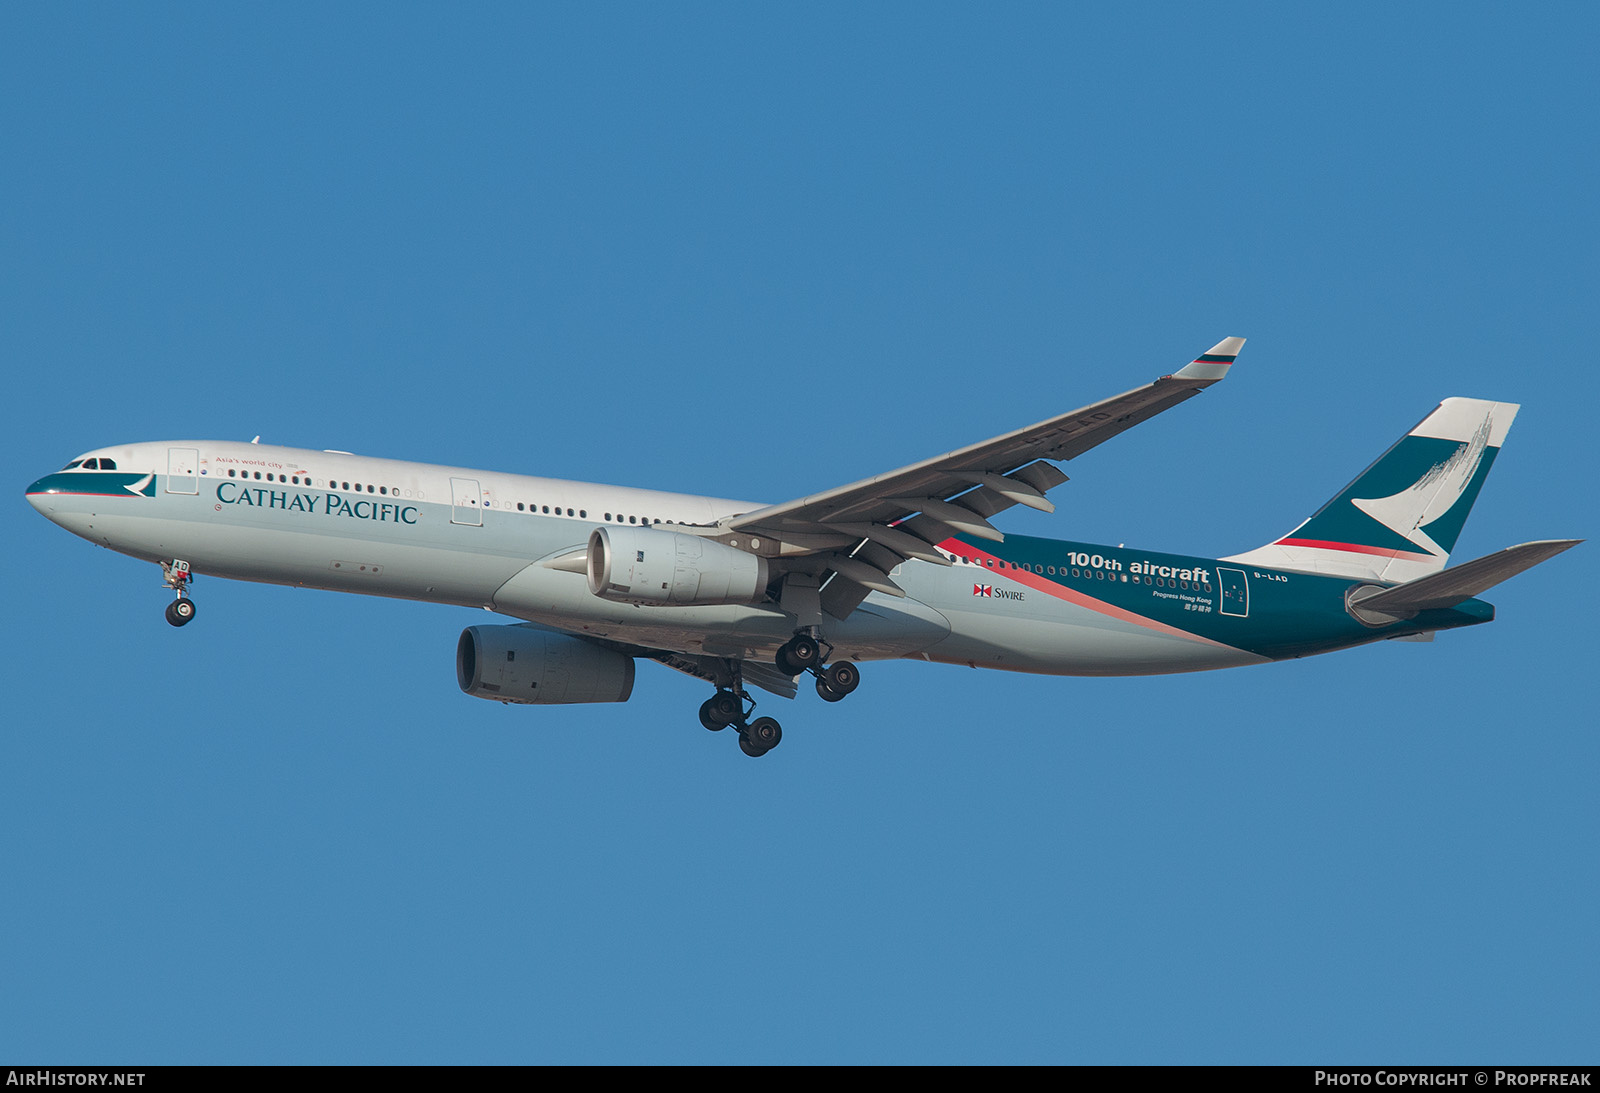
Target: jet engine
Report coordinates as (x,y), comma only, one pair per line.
(521,664)
(648,566)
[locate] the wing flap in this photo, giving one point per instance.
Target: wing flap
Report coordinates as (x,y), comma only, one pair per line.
(901,542)
(719,671)
(841,596)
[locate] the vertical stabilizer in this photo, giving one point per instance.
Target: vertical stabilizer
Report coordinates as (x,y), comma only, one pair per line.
(1401,517)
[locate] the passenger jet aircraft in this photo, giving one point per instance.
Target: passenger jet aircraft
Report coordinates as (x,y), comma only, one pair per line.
(905,564)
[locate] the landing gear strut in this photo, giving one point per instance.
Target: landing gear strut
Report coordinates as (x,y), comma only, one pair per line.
(176,576)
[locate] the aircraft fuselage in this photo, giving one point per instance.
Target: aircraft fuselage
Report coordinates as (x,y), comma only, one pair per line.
(475,538)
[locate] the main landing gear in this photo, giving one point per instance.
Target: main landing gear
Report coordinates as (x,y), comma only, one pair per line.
(727,707)
(804,653)
(732,705)
(176,576)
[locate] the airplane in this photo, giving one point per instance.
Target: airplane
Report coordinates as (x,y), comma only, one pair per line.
(903,565)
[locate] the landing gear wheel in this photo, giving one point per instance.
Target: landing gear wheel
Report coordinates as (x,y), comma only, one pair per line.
(720,710)
(837,680)
(763,733)
(754,751)
(799,654)
(179,612)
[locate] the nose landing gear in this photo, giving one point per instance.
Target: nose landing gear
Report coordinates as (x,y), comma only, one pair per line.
(176,576)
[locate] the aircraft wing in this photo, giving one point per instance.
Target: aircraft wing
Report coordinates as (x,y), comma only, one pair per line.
(853,536)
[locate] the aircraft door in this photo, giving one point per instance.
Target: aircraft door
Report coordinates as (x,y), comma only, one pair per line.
(1235,591)
(183,466)
(466,504)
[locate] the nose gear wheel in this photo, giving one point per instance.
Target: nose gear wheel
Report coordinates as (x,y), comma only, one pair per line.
(176,576)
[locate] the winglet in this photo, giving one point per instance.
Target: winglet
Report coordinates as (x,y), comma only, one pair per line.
(1213,363)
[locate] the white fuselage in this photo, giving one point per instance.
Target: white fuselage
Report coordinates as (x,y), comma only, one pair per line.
(454,535)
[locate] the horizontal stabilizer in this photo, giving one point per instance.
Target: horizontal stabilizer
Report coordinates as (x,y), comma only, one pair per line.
(1464,581)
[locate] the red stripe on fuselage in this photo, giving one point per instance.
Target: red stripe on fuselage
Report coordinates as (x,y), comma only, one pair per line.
(1357,548)
(1061,592)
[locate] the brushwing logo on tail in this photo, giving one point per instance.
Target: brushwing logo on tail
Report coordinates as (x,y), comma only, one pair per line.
(1408,512)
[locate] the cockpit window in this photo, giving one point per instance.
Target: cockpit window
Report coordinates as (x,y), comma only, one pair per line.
(107,464)
(91,464)
(75,463)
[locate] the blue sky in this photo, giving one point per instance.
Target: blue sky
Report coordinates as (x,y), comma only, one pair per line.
(754,251)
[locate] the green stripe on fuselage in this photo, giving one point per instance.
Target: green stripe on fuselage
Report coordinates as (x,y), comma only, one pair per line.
(97,484)
(1288,614)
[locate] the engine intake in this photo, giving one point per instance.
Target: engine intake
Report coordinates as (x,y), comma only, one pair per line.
(644,565)
(521,664)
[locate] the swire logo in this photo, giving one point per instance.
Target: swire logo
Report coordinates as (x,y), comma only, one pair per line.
(983,590)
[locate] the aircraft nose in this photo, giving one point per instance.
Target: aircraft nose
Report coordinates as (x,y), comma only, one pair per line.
(39,495)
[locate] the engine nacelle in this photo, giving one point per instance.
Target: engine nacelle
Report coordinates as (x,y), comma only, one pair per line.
(521,664)
(644,565)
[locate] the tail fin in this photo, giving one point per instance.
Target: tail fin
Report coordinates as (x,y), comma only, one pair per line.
(1401,517)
